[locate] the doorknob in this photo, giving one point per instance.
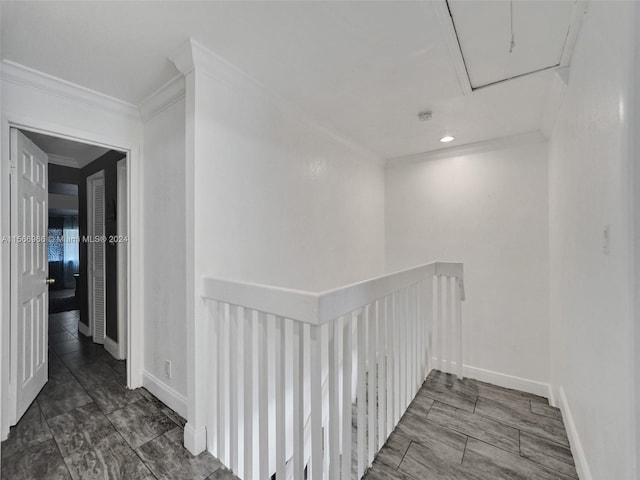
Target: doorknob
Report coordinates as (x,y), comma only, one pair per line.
(50,281)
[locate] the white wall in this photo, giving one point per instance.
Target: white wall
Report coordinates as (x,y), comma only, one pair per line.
(165,249)
(278,200)
(589,183)
(489,210)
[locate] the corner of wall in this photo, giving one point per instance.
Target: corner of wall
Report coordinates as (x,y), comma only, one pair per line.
(579,456)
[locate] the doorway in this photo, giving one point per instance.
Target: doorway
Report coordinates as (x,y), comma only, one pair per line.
(67,322)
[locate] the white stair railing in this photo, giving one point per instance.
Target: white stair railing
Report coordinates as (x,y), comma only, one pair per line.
(317,382)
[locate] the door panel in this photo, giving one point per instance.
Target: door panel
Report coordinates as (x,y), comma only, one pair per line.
(29,292)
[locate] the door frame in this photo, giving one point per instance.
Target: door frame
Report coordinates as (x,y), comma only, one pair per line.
(122,256)
(130,145)
(90,246)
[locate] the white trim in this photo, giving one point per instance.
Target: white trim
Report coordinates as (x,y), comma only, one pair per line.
(321,307)
(28,77)
(195,439)
(507,381)
(122,254)
(84,329)
(579,457)
(167,395)
(192,54)
(448,31)
(164,97)
(468,149)
(113,348)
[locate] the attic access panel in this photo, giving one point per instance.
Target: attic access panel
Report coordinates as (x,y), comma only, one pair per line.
(483,29)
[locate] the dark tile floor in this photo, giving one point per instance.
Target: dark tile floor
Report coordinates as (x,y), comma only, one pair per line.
(85,423)
(469,430)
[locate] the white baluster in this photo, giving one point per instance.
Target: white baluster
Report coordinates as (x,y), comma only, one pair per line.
(439,321)
(212,427)
(390,355)
(459,327)
(247,394)
(315,387)
(382,373)
(298,401)
(334,399)
(347,372)
(362,402)
(397,342)
(372,329)
(281,346)
(223,392)
(263,396)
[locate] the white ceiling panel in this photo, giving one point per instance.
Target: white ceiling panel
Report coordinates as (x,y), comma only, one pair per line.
(484,31)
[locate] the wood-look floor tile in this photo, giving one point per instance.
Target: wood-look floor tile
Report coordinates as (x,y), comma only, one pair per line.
(393,450)
(493,463)
(482,428)
(450,395)
(112,395)
(77,430)
(140,422)
(31,430)
(543,408)
(58,398)
(108,458)
(420,405)
(39,462)
(548,453)
(380,471)
(222,474)
(94,373)
(428,433)
(549,428)
(424,463)
(169,460)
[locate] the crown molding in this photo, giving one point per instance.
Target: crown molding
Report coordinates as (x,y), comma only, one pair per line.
(63,161)
(17,74)
(469,149)
(162,98)
(192,56)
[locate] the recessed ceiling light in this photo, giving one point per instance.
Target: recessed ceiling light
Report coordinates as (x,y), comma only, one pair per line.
(447,139)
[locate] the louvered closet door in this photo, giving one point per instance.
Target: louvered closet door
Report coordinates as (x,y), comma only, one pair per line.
(96,255)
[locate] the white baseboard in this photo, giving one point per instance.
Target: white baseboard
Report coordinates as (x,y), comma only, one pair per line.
(84,329)
(508,381)
(195,439)
(579,457)
(112,347)
(503,380)
(165,393)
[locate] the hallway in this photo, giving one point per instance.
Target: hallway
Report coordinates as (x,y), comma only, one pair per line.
(470,430)
(85,423)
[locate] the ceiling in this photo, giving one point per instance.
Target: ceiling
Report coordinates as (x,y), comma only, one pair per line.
(365,69)
(66,152)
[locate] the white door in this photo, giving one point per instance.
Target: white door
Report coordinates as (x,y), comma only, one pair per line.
(96,255)
(29,270)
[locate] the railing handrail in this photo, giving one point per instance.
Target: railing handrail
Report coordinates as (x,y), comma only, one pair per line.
(318,308)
